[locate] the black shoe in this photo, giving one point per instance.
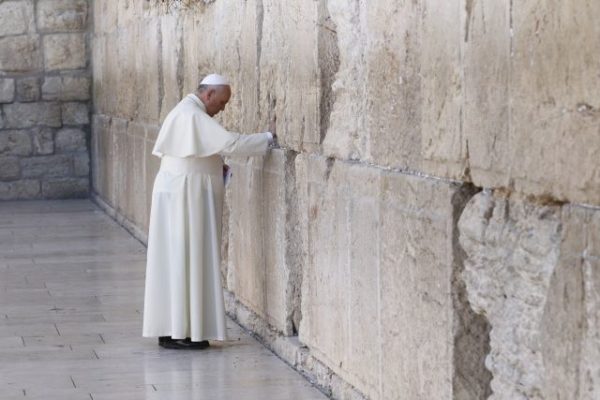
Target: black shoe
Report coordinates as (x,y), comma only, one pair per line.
(181,344)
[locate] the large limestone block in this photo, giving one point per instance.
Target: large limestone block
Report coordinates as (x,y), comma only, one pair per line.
(441,82)
(345,134)
(62,15)
(16,17)
(259,269)
(42,139)
(65,188)
(64,51)
(75,114)
(376,290)
(529,269)
(139,212)
(7,90)
(26,115)
(393,118)
(554,118)
(47,166)
(21,189)
(486,77)
(146,70)
(171,34)
(102,157)
(28,89)
(67,87)
(70,140)
(10,168)
(15,143)
(20,53)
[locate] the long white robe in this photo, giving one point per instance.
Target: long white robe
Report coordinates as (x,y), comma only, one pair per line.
(184,296)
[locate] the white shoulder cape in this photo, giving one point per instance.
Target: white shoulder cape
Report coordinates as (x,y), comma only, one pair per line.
(189,131)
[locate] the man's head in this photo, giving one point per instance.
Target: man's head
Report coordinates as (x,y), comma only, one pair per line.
(214,92)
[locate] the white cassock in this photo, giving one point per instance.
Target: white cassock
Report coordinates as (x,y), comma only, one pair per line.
(184,297)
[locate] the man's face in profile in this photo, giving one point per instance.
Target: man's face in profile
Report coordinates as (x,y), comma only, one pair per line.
(217,99)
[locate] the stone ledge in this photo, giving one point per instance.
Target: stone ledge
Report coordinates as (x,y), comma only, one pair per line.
(291,351)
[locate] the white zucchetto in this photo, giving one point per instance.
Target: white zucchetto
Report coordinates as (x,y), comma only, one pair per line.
(215,79)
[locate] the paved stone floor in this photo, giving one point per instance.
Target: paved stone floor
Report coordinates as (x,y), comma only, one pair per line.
(71,295)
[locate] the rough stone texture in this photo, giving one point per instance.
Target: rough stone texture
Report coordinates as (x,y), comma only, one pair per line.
(348,236)
(28,49)
(264,279)
(70,140)
(46,166)
(9,168)
(62,15)
(66,88)
(75,114)
(65,188)
(15,143)
(16,17)
(44,84)
(530,270)
(23,189)
(28,89)
(26,115)
(7,90)
(43,140)
(64,51)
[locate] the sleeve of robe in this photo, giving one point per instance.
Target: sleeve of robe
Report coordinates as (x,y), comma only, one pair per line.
(248,145)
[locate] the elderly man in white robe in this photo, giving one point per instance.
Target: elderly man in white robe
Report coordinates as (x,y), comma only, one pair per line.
(183,303)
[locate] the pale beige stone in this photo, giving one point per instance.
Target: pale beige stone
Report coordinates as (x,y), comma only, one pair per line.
(7,90)
(25,115)
(64,51)
(66,88)
(528,270)
(20,53)
(16,17)
(62,15)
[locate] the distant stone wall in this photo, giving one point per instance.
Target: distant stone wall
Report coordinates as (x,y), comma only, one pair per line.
(45,88)
(429,228)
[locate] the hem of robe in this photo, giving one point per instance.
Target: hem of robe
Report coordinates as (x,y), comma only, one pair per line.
(194,339)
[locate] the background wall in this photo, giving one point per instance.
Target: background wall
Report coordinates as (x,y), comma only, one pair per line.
(45,88)
(429,229)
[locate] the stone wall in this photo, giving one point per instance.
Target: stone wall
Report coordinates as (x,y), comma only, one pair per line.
(428,229)
(45,88)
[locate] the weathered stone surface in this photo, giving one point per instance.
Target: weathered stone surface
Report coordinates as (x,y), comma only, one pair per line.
(9,168)
(62,15)
(65,188)
(26,115)
(46,166)
(28,49)
(528,269)
(7,90)
(81,164)
(75,114)
(262,277)
(16,17)
(365,232)
(66,88)
(43,140)
(102,157)
(28,89)
(70,140)
(15,143)
(64,51)
(22,189)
